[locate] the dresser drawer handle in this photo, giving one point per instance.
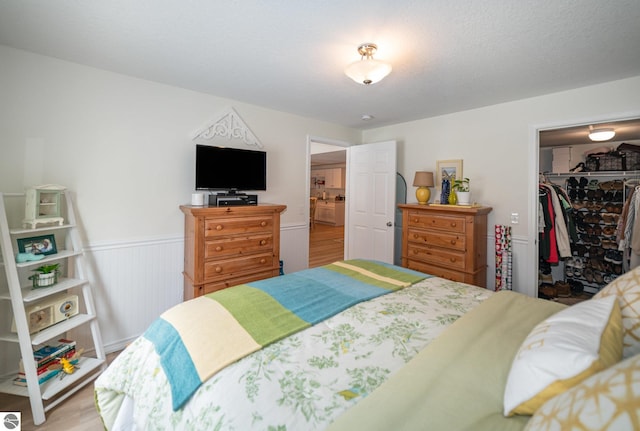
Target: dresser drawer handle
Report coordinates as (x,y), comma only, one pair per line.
(218,269)
(219,227)
(263,260)
(219,248)
(452,259)
(415,251)
(453,224)
(263,224)
(453,242)
(415,220)
(416,236)
(263,242)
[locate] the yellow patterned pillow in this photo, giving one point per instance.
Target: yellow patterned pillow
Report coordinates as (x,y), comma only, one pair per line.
(609,400)
(562,351)
(627,289)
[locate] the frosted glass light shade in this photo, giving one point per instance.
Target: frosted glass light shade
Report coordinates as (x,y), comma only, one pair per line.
(599,135)
(367,71)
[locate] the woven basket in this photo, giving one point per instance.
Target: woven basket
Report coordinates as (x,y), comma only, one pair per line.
(612,161)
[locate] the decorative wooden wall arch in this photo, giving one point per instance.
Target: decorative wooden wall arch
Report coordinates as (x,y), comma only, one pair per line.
(231,126)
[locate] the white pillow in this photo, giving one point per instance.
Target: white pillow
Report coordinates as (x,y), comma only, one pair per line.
(563,350)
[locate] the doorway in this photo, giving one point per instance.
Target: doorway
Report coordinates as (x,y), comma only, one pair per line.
(573,135)
(327,192)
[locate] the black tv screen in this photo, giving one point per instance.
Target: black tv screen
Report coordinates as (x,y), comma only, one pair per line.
(231,169)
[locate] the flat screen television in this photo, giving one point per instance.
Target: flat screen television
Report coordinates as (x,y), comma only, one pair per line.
(230,169)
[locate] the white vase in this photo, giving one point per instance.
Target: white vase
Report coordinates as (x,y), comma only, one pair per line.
(464,198)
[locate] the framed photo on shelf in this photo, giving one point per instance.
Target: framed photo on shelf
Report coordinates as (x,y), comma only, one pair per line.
(448,168)
(45,244)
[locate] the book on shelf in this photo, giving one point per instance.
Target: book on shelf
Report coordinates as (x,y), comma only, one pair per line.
(21,379)
(47,354)
(44,366)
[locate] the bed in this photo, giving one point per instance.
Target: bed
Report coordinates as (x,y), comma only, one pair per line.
(401,350)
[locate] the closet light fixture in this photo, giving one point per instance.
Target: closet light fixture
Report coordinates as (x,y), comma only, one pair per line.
(367,71)
(603,134)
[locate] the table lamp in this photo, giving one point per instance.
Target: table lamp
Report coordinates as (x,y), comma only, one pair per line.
(423,180)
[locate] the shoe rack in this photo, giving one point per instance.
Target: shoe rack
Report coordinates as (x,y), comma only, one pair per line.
(597,200)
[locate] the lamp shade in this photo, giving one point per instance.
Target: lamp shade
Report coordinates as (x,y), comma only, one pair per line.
(601,134)
(423,179)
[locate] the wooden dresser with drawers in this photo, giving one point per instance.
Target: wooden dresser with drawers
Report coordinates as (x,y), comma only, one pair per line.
(225,246)
(448,241)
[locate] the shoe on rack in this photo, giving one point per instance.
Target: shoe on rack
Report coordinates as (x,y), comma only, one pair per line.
(576,287)
(613,256)
(609,230)
(569,267)
(583,182)
(588,275)
(572,181)
(593,185)
(598,278)
(578,205)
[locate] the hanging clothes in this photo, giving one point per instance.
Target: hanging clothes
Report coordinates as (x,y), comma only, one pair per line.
(547,247)
(559,220)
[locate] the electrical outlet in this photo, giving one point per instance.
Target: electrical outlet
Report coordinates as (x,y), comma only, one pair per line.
(515,218)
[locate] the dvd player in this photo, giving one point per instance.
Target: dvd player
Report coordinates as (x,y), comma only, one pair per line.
(236,200)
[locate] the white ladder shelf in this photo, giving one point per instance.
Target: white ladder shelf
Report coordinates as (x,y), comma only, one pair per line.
(20,295)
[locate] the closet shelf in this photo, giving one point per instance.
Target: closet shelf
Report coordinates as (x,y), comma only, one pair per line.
(595,174)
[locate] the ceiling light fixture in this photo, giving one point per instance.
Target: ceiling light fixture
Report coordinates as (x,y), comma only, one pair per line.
(367,70)
(599,135)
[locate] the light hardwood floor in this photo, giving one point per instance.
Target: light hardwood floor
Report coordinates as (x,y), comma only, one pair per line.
(78,413)
(326,244)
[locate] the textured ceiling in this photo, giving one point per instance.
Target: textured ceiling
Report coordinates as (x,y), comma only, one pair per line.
(447,56)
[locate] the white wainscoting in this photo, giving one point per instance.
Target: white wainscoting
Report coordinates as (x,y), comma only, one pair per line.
(133,283)
(294,246)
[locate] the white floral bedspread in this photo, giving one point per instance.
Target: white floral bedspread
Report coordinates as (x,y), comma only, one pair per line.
(303,382)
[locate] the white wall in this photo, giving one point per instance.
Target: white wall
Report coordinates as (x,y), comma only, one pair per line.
(123,146)
(496,145)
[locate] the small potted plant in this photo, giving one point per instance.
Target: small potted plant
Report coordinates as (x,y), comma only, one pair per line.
(46,275)
(463,192)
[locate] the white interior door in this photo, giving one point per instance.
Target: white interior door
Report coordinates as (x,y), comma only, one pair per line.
(370,206)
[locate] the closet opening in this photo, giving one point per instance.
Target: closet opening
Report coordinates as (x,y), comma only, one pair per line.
(586,209)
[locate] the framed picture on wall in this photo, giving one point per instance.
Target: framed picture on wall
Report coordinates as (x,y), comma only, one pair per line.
(448,169)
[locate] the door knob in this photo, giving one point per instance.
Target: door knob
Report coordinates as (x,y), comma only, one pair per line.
(389,224)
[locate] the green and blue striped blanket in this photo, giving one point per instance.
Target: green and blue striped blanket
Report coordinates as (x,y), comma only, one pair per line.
(198,338)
